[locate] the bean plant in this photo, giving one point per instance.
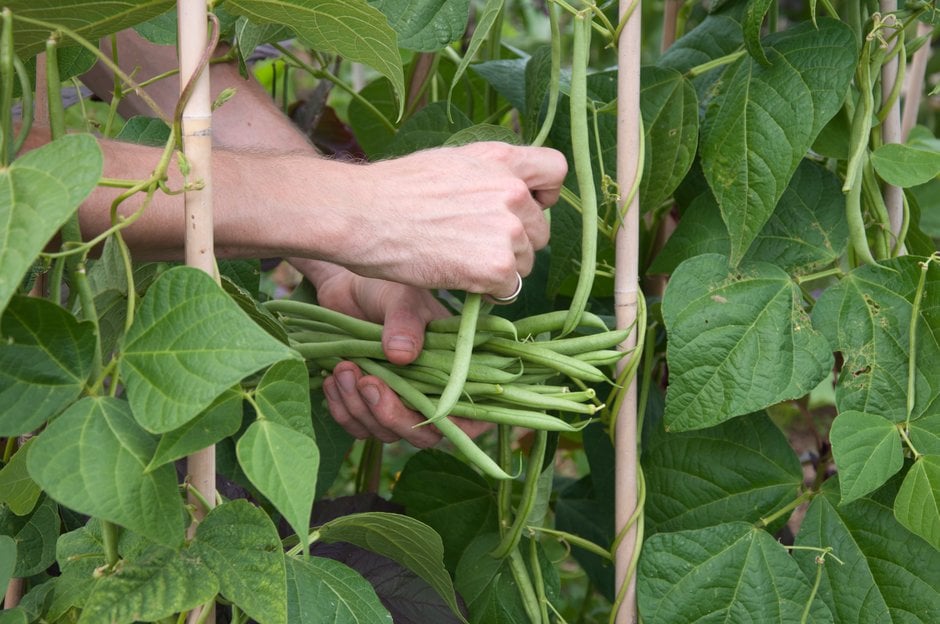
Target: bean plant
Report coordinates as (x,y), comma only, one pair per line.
(786,354)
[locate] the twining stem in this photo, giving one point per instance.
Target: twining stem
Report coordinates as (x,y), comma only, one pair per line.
(554,84)
(800,279)
(538,582)
(721,61)
(574,540)
(6,89)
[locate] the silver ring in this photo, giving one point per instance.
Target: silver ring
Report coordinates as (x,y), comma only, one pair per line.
(511,298)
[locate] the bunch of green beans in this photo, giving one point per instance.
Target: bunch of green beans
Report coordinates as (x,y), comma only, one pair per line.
(509,378)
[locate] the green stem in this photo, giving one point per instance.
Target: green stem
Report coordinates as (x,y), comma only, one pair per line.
(538,582)
(7,72)
(912,340)
(206,611)
(26,100)
(554,84)
(194,491)
(524,584)
(819,275)
(504,490)
(110,533)
(812,594)
(370,466)
(788,508)
(529,495)
(8,449)
(721,61)
(575,540)
(907,441)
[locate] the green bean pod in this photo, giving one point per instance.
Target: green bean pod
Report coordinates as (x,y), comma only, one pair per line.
(538,421)
(447,427)
(358,328)
(591,342)
(581,149)
(460,369)
(489,323)
(555,321)
(530,352)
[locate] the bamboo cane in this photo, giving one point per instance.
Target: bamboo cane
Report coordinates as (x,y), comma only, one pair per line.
(891,133)
(915,82)
(626,289)
(196,126)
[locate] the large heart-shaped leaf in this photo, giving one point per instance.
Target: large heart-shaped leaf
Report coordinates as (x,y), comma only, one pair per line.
(740,470)
(867,316)
(92,459)
(670,121)
(220,420)
(351,28)
(753,136)
(283,466)
(425,25)
(283,396)
(45,359)
(739,341)
(917,505)
(189,343)
(17,490)
(240,545)
(806,232)
(35,535)
(906,165)
(886,574)
(38,193)
(313,582)
(159,584)
(91,19)
(867,450)
(731,572)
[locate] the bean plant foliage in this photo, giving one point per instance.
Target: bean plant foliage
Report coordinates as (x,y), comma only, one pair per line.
(787,372)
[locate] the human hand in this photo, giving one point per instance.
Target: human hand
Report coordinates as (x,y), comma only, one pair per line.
(465,218)
(363,404)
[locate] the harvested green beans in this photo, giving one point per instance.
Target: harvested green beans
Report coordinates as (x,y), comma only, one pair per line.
(512,374)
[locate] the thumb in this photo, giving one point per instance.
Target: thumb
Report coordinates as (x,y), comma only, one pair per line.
(403,334)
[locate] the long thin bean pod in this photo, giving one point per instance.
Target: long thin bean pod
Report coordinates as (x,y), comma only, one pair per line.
(553,321)
(355,327)
(581,148)
(531,352)
(529,492)
(462,353)
(448,429)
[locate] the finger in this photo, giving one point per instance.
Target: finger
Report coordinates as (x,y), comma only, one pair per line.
(405,323)
(541,168)
(347,378)
(392,415)
(339,412)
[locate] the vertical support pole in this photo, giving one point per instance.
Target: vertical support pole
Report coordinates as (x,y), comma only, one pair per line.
(626,288)
(199,246)
(891,133)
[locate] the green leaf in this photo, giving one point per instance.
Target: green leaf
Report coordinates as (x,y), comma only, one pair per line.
(220,420)
(925,434)
(160,584)
(507,76)
(867,316)
(917,505)
(453,499)
(425,25)
(716,36)
(45,359)
(161,30)
(90,19)
(92,459)
(670,121)
(906,165)
(484,22)
(17,490)
(731,572)
(350,28)
(333,442)
(806,232)
(144,131)
(283,396)
(753,138)
(16,615)
(240,545)
(373,135)
(888,574)
(411,543)
(429,127)
(38,193)
(250,35)
(35,536)
(283,466)
(483,132)
(79,554)
(248,302)
(189,343)
(7,559)
(739,341)
(488,585)
(867,451)
(313,582)
(538,69)
(738,470)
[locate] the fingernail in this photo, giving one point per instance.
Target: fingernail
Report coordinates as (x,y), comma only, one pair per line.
(371,394)
(401,343)
(347,381)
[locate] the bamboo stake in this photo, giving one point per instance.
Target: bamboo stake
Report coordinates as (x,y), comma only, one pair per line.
(13,594)
(197,146)
(915,82)
(626,296)
(891,133)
